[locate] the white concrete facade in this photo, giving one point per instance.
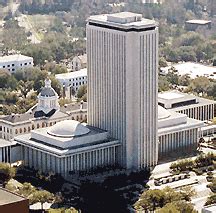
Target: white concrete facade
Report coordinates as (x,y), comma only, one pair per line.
(122,52)
(73,79)
(191,105)
(81,150)
(14,62)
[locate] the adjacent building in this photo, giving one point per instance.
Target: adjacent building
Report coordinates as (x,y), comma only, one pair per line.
(67,147)
(194,24)
(122,51)
(79,62)
(177,133)
(11,202)
(191,105)
(12,63)
(44,114)
(71,81)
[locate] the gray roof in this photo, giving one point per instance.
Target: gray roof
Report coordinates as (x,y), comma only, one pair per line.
(47,92)
(7,197)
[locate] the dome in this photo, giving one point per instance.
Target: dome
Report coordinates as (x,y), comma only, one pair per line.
(163,113)
(47,92)
(68,128)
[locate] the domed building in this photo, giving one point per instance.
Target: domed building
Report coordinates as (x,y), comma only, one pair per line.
(68,146)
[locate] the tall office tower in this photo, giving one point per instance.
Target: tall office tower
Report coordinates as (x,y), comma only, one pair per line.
(122,52)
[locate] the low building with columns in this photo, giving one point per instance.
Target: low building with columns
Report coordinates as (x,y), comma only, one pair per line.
(177,132)
(191,105)
(68,146)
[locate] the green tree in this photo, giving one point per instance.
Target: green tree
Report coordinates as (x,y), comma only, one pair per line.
(25,87)
(163,84)
(211,199)
(81,91)
(41,196)
(6,173)
(200,85)
(168,208)
(26,190)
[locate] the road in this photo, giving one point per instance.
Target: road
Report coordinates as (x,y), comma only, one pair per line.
(23,21)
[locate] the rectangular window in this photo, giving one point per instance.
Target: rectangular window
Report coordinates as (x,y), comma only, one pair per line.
(25,63)
(13,65)
(8,65)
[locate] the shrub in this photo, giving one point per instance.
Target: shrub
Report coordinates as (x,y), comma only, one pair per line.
(210,168)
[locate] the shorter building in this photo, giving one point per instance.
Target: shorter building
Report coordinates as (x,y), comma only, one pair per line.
(9,151)
(11,202)
(14,62)
(46,113)
(79,62)
(191,105)
(192,69)
(176,132)
(209,209)
(194,24)
(68,146)
(72,81)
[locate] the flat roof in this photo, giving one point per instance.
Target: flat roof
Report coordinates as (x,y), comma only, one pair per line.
(7,197)
(124,20)
(5,143)
(198,21)
(170,95)
(174,96)
(17,57)
(193,70)
(70,75)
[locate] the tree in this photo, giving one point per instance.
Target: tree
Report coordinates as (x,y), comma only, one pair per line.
(168,208)
(81,91)
(152,200)
(25,87)
(6,173)
(211,200)
(163,84)
(26,190)
(172,76)
(200,85)
(41,197)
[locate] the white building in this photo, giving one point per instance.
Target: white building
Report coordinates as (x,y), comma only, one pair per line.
(122,52)
(72,80)
(14,62)
(177,133)
(192,69)
(46,113)
(191,105)
(68,146)
(79,62)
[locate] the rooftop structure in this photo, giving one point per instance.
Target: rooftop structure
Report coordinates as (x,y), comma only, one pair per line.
(193,70)
(124,21)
